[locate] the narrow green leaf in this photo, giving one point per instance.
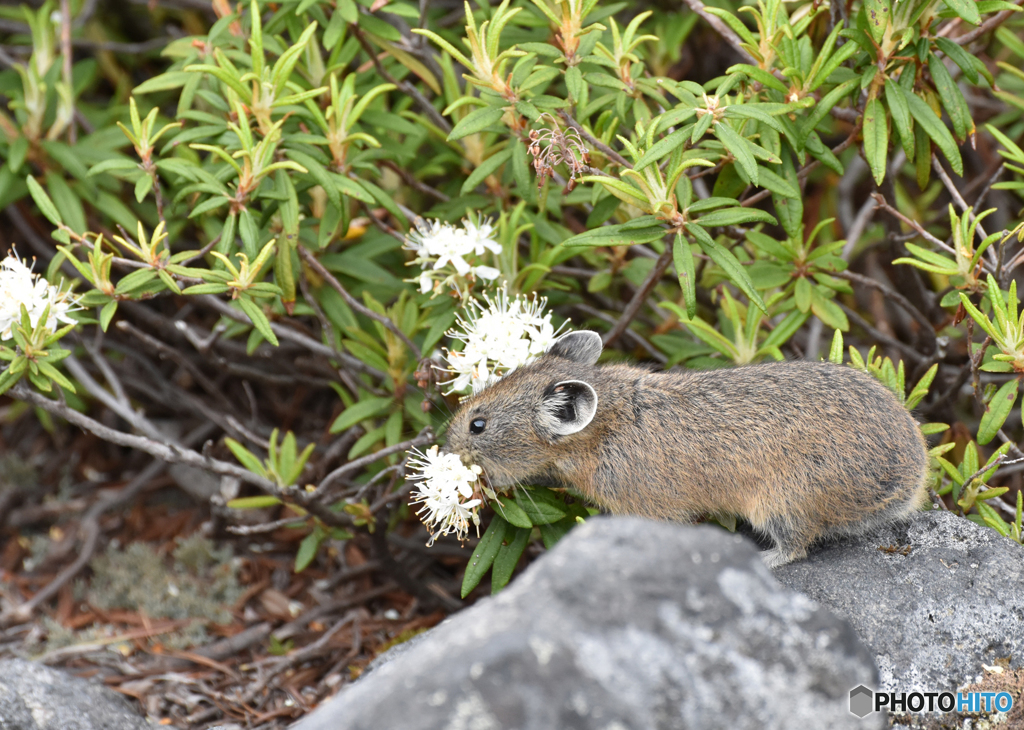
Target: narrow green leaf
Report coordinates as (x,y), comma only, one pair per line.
(487,167)
(740,147)
(682,256)
(896,99)
(358,412)
(835,354)
(508,557)
(476,121)
(308,548)
(952,99)
(997,411)
(246,458)
(661,148)
(876,139)
(935,129)
(959,56)
(512,512)
(728,263)
(46,206)
(537,508)
(259,502)
(736,216)
(878,17)
(966,9)
(484,554)
(259,319)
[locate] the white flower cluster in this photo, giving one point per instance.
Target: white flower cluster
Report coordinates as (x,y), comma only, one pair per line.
(19,285)
(445,491)
(442,249)
(499,337)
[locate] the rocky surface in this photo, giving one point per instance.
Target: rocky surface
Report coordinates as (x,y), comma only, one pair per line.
(934,599)
(626,624)
(36,697)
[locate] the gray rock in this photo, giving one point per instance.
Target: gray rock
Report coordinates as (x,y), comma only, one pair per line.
(931,616)
(626,624)
(36,697)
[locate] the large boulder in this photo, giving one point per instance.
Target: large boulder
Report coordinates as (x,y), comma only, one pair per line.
(36,697)
(934,598)
(631,624)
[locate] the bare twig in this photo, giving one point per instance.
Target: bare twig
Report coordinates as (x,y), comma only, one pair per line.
(653,277)
(423,437)
(354,303)
(896,298)
(594,141)
(723,30)
(167,452)
(880,336)
(287,333)
(404,86)
(955,194)
(916,226)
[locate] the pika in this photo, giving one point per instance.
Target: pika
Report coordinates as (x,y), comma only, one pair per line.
(801,450)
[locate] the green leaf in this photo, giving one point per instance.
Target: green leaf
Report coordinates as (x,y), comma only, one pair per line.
(538,509)
(826,105)
(512,512)
(308,548)
(107,314)
(358,412)
(740,147)
(897,101)
(802,294)
(835,353)
(163,82)
(476,121)
(46,206)
(735,217)
(728,263)
(117,163)
(253,502)
(508,557)
(619,235)
(484,554)
(487,167)
(319,173)
(682,256)
(997,411)
(661,148)
(959,56)
(935,129)
(259,319)
(966,9)
(876,139)
(245,457)
(952,99)
(574,83)
(878,16)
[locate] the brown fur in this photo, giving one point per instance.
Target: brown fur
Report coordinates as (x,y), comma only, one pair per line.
(802,450)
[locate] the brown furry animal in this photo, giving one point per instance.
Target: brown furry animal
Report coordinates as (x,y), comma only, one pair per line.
(802,450)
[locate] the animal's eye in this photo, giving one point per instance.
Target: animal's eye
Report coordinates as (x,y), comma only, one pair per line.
(477,425)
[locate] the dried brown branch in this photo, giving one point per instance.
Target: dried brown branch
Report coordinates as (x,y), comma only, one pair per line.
(653,277)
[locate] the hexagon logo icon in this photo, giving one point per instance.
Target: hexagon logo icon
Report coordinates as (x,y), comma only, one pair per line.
(861,701)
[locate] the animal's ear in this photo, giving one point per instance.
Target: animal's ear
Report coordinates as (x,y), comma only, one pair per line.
(568,407)
(582,346)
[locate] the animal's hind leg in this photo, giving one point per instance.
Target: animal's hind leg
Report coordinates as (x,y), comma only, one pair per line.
(791,542)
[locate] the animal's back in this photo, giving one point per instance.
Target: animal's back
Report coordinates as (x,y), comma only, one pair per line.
(802,450)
